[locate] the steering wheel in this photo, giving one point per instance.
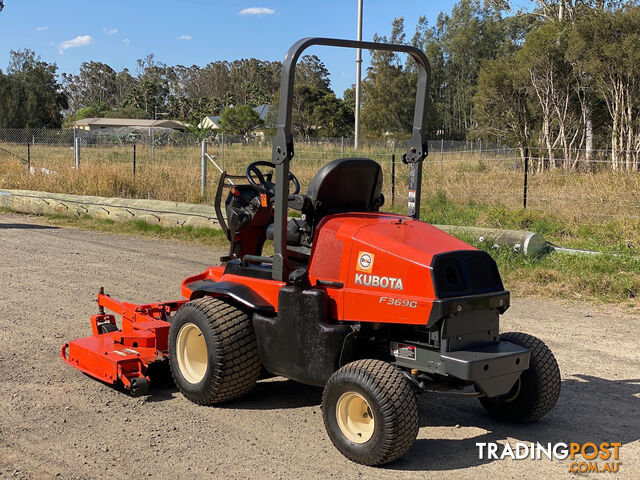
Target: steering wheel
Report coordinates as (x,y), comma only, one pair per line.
(265,185)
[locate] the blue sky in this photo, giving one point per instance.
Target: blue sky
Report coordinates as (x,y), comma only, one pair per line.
(191,32)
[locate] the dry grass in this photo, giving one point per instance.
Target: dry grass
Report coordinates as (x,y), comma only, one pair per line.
(174,174)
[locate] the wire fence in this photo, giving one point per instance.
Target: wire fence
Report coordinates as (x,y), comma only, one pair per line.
(168,165)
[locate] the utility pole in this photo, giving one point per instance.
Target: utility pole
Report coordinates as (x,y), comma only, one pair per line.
(356,139)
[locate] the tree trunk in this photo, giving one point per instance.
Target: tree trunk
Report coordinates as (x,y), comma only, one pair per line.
(589,131)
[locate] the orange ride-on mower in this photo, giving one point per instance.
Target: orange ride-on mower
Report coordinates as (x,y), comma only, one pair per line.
(374,307)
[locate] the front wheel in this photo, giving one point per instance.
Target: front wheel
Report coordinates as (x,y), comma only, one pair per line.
(370,411)
(213,352)
(536,392)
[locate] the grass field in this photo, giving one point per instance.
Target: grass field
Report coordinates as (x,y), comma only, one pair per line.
(173,173)
(595,210)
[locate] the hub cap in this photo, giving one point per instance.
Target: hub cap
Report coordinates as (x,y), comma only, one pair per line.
(355,417)
(191,352)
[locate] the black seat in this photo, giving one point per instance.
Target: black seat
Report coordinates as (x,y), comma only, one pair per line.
(343,185)
(346,185)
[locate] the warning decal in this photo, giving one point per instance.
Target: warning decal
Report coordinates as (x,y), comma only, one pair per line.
(401,350)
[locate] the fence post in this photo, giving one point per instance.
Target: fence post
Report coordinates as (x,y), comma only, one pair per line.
(222,151)
(342,147)
(526,171)
(134,162)
(153,144)
(77,153)
(28,157)
(441,153)
(393,175)
(203,171)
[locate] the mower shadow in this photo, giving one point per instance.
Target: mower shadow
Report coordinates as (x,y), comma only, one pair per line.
(277,393)
(271,394)
(162,386)
(590,409)
(26,226)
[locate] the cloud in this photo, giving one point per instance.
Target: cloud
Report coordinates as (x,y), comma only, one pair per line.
(79,41)
(257,11)
(185,37)
(110,31)
(126,41)
(42,29)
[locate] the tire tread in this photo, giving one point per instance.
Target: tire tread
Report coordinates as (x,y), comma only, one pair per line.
(238,363)
(398,403)
(546,375)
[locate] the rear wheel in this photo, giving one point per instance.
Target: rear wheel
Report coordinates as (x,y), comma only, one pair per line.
(213,352)
(536,392)
(370,411)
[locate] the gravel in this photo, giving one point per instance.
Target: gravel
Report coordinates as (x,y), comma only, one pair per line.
(56,422)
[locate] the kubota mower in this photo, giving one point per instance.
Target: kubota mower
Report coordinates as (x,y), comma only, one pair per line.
(375,307)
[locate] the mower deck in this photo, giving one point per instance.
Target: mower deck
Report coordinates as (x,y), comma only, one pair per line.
(124,355)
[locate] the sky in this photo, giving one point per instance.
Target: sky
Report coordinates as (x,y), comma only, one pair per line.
(187,32)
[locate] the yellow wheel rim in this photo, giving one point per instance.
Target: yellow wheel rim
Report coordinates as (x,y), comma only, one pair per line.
(355,417)
(191,352)
(517,392)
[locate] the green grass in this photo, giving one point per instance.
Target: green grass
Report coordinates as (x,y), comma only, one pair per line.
(619,236)
(603,278)
(199,236)
(613,277)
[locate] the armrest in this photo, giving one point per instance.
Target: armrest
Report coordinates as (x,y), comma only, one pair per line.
(299,202)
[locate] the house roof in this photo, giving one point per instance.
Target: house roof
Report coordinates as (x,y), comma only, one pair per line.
(127,122)
(263,110)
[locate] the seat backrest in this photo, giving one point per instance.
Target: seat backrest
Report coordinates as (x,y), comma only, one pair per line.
(346,185)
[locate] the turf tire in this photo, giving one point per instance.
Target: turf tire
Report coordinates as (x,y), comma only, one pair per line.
(394,405)
(233,363)
(536,392)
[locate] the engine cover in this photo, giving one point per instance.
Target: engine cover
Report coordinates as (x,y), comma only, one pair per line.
(385,263)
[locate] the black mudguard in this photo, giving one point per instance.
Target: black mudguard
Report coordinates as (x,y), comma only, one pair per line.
(236,291)
(299,343)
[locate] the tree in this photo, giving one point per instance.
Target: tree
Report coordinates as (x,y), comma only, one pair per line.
(606,46)
(552,82)
(36,99)
(305,99)
(153,86)
(11,93)
(312,72)
(502,103)
(240,120)
(561,10)
(456,46)
(1,5)
(388,91)
(127,112)
(124,85)
(333,116)
(90,112)
(99,82)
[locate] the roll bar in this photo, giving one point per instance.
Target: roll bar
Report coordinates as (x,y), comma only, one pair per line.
(282,151)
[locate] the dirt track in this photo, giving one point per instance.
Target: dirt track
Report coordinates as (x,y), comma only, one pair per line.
(57,422)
